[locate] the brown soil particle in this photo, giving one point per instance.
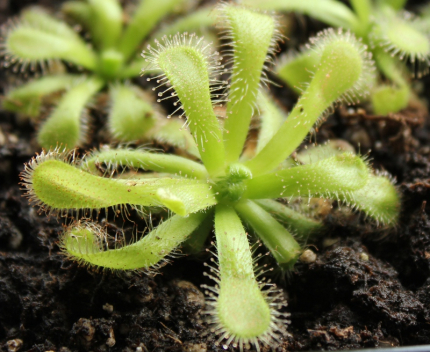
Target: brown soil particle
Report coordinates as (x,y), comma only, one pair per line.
(360,302)
(390,302)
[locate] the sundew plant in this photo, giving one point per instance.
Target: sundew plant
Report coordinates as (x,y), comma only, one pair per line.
(38,41)
(395,37)
(239,192)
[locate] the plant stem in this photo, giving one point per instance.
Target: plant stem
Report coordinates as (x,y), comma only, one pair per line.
(280,242)
(303,226)
(140,159)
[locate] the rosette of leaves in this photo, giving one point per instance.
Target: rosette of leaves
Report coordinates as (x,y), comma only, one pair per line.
(231,189)
(397,39)
(37,40)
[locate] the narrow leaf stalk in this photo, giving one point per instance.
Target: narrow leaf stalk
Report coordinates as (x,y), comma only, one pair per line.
(275,237)
(145,160)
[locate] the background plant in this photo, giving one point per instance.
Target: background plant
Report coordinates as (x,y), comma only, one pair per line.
(395,37)
(224,187)
(39,41)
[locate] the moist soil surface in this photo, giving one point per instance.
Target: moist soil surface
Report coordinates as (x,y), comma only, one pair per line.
(369,286)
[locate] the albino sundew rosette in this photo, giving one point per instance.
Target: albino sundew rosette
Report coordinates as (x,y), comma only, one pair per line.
(238,193)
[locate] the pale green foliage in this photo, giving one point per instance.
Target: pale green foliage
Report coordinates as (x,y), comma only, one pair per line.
(254,36)
(37,39)
(386,99)
(232,190)
(297,68)
(345,173)
(237,273)
(67,122)
(74,189)
(27,99)
(187,70)
(391,34)
(85,242)
(341,74)
(130,109)
(41,38)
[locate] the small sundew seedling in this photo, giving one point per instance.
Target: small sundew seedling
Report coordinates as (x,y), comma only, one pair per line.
(239,195)
(394,36)
(38,41)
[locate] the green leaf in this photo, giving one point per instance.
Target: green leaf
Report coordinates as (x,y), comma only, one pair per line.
(27,98)
(59,186)
(174,132)
(299,224)
(364,10)
(185,63)
(395,4)
(106,22)
(39,37)
(329,177)
(64,126)
(145,17)
(344,67)
(389,99)
(275,237)
(297,70)
(87,244)
(130,116)
(141,159)
(272,118)
(378,199)
(195,243)
(253,35)
(400,36)
(241,310)
(332,12)
(315,153)
(193,22)
(79,11)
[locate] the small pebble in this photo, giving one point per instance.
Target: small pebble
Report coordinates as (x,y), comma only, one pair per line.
(364,257)
(108,308)
(111,340)
(14,345)
(308,257)
(194,347)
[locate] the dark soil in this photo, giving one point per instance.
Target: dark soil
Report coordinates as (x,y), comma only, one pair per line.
(369,287)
